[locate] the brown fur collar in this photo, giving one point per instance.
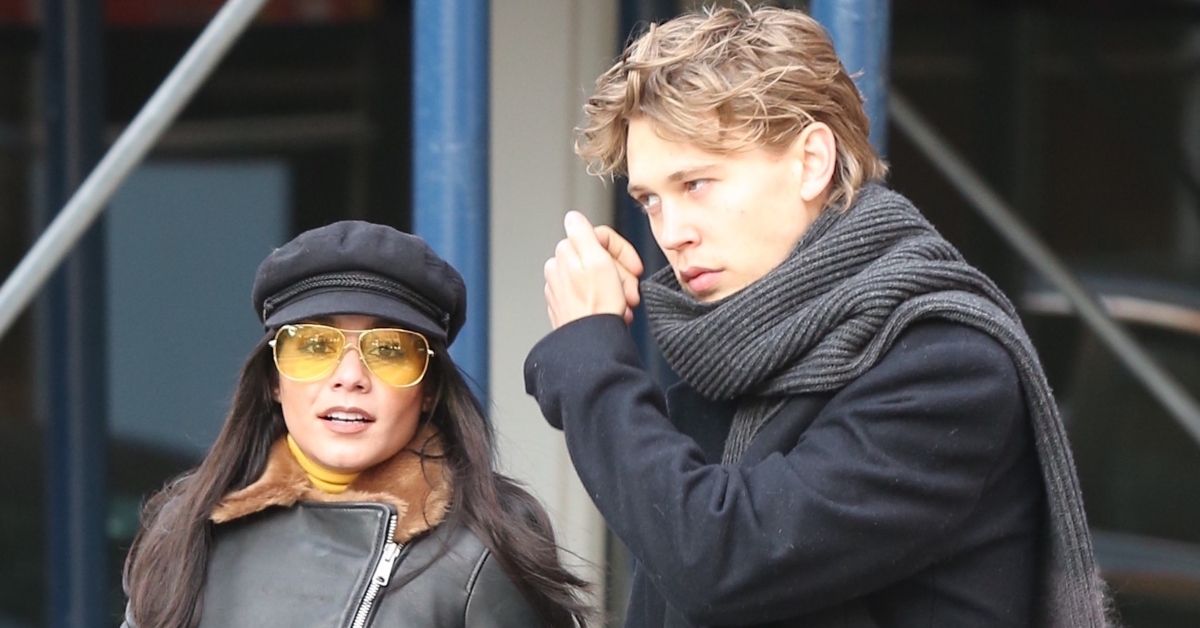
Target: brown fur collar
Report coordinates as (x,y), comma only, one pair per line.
(420,490)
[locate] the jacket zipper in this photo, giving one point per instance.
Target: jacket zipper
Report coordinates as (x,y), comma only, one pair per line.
(381,576)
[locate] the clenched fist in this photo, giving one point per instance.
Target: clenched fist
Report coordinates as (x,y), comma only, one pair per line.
(594,271)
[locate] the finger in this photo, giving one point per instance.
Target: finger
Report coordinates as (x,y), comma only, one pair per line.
(551,272)
(548,293)
(629,264)
(629,285)
(620,249)
(583,237)
(567,255)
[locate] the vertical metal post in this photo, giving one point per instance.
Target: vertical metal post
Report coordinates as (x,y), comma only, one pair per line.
(450,156)
(861,32)
(629,220)
(72,330)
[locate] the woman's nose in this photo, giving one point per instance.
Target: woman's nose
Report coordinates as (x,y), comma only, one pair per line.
(351,372)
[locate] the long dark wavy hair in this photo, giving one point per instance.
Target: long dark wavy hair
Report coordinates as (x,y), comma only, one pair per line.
(165,569)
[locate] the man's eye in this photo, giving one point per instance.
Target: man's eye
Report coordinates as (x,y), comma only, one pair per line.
(648,202)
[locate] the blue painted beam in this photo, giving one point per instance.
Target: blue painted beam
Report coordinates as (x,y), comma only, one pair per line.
(450,156)
(861,32)
(634,17)
(628,219)
(72,340)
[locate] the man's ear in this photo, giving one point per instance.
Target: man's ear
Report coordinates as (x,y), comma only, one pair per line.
(814,152)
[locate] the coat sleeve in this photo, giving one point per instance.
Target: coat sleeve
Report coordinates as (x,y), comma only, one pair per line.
(493,601)
(867,496)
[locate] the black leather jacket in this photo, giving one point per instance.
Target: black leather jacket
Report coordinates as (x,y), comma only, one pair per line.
(333,564)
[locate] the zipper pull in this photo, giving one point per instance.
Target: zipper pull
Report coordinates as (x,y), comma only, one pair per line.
(383,571)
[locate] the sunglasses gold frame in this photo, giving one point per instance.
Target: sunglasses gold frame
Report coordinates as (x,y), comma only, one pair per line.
(346,344)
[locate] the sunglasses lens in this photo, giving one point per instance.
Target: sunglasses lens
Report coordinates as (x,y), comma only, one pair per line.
(395,356)
(307,352)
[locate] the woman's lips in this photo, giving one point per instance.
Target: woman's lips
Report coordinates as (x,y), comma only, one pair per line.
(346,421)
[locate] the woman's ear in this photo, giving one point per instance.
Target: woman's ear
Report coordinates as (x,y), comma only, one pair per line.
(814,155)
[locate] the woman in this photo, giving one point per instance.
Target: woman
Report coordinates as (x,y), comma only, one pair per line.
(352,482)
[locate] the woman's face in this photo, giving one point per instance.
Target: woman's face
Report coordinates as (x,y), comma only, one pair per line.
(349,420)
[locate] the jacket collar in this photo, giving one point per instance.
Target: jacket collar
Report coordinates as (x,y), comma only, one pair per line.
(416,484)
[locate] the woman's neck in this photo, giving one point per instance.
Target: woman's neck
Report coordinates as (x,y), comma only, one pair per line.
(325,479)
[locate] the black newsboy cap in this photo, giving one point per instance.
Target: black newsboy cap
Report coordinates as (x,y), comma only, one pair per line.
(355,267)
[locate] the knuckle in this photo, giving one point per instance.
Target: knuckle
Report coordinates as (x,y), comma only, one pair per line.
(597,262)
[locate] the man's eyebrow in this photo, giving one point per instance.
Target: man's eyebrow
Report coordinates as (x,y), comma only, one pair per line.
(674,177)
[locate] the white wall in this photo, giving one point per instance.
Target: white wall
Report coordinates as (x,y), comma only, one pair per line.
(546,55)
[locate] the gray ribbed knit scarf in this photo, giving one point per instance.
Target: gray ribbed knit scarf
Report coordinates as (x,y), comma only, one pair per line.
(857,279)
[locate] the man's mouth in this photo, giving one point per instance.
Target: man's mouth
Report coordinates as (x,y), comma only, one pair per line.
(699,281)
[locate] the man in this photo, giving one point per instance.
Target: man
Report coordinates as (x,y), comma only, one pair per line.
(862,435)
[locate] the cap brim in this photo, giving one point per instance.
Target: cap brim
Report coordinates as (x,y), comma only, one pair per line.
(334,302)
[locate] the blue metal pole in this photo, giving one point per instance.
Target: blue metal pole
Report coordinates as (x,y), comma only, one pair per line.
(450,156)
(72,331)
(861,32)
(629,220)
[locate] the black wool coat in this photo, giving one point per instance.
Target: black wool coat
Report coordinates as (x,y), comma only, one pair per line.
(911,497)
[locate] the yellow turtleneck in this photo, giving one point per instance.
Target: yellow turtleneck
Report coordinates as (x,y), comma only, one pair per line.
(322,478)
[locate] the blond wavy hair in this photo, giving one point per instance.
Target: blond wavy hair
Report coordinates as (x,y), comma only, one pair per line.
(730,79)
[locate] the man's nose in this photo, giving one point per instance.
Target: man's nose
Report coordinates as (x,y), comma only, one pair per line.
(677,227)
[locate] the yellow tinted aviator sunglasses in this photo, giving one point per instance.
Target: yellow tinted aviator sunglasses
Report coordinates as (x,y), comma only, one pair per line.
(308,352)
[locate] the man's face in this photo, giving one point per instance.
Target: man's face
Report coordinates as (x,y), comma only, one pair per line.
(723,221)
